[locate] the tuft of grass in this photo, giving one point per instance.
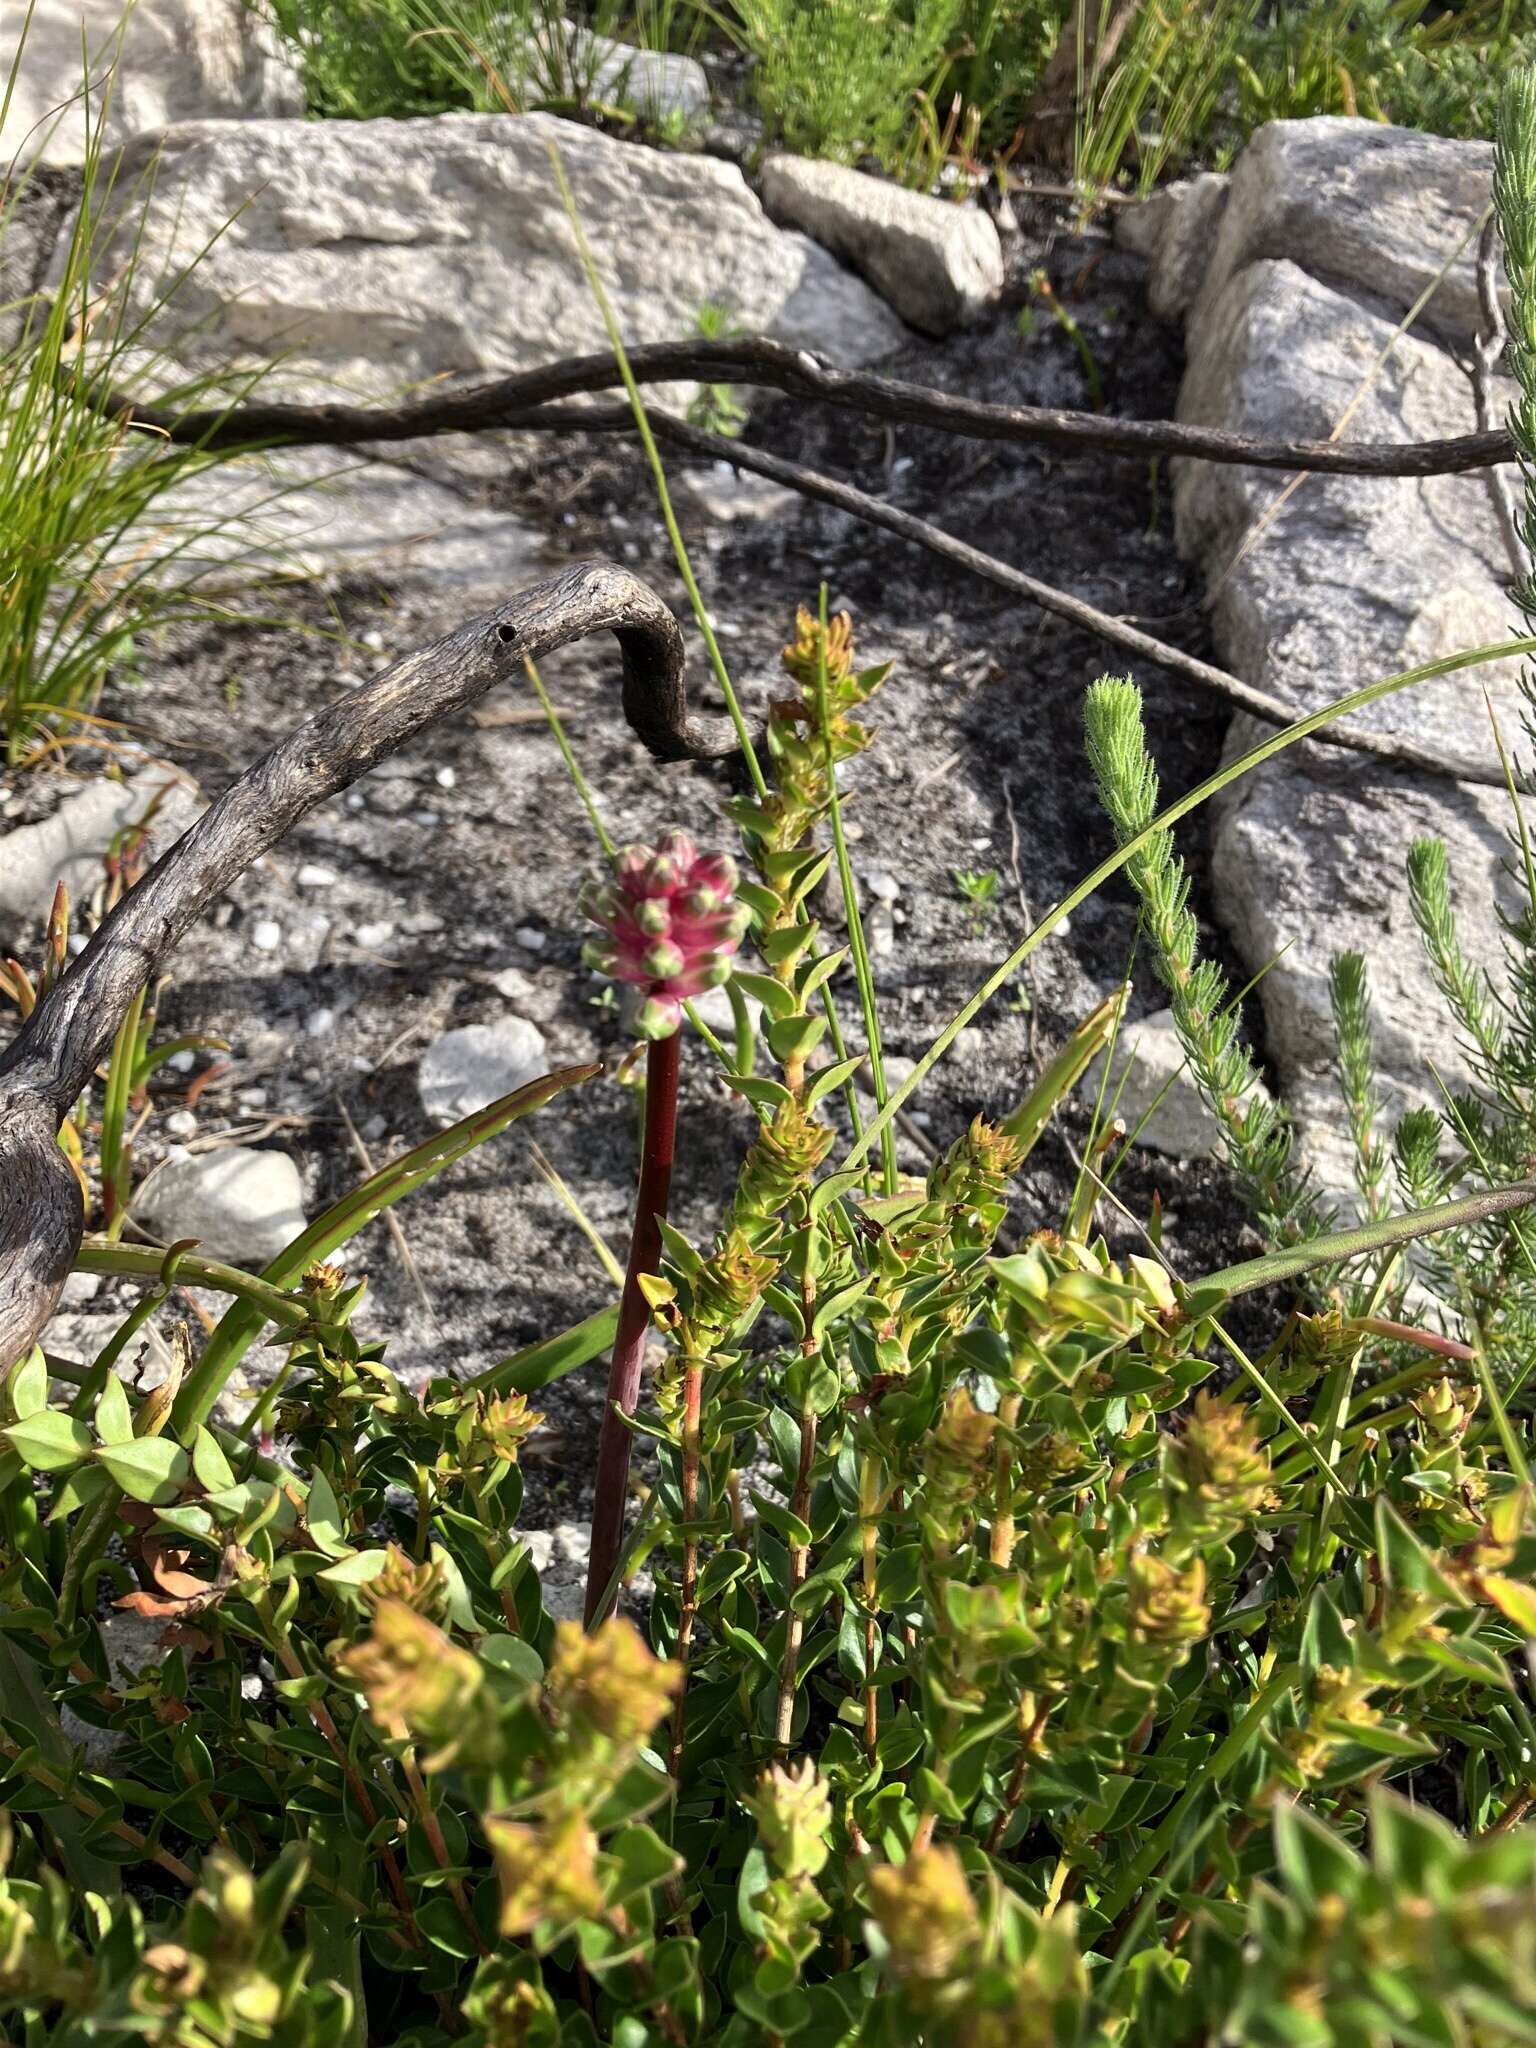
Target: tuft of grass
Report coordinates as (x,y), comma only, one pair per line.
(102,541)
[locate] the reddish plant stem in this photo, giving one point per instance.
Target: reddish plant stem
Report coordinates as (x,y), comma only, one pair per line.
(800,1503)
(613,1443)
(1512,1815)
(869,1510)
(1185,1919)
(1018,1781)
(1425,1340)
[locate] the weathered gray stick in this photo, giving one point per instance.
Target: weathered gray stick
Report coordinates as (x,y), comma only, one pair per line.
(52,1059)
(810,483)
(795,371)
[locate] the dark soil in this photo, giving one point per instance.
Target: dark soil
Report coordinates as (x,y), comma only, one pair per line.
(983,710)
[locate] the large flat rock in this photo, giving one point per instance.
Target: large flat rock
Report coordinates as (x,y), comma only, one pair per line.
(333,516)
(374,258)
(70,844)
(1352,577)
(175,60)
(1368,208)
(376,255)
(1329,232)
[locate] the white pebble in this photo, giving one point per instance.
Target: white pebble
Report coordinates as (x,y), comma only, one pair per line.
(530,938)
(375,1128)
(266,935)
(466,1069)
(884,887)
(77,943)
(252,1098)
(374,935)
(313,876)
(356,801)
(426,819)
(446,778)
(182,1062)
(181,1123)
(319,1022)
(373,638)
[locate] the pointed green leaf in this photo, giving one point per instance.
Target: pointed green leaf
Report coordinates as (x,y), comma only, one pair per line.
(828,1078)
(1335,1246)
(49,1441)
(150,1468)
(212,1468)
(113,1418)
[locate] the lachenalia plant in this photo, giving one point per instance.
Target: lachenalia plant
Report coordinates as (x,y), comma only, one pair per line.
(670,926)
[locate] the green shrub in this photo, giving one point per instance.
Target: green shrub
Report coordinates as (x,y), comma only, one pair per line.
(368,59)
(1005,1677)
(836,78)
(1388,60)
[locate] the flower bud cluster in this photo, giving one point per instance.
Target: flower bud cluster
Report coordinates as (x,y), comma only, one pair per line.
(793,1811)
(671,927)
(1216,1472)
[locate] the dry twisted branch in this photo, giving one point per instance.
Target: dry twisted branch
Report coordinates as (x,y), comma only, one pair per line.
(811,483)
(799,374)
(52,1059)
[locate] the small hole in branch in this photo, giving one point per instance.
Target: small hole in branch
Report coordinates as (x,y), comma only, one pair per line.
(506,635)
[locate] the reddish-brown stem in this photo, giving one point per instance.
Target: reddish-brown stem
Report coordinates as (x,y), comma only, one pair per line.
(799,1566)
(1018,1781)
(693,1391)
(869,1508)
(330,1734)
(1424,1340)
(1186,1918)
(426,1813)
(613,1443)
(800,1503)
(1513,1814)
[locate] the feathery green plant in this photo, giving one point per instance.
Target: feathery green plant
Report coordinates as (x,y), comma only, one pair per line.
(836,78)
(366,59)
(1256,1133)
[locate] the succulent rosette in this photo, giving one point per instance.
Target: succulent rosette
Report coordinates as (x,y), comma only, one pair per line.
(670,927)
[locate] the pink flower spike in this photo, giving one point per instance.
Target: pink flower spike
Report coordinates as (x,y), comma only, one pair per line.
(670,925)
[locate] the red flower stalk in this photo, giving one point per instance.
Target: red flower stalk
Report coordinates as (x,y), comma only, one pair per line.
(670,929)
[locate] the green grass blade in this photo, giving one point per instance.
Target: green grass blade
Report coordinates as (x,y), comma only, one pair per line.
(1065,1070)
(241,1324)
(552,1357)
(147,1262)
(1382,1235)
